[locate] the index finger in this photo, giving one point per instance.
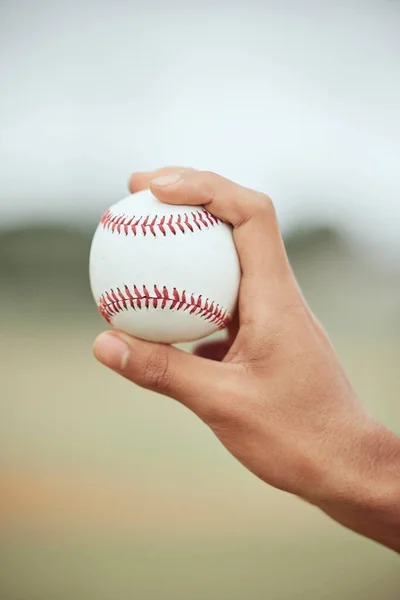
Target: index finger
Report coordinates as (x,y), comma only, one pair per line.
(258,240)
(140,180)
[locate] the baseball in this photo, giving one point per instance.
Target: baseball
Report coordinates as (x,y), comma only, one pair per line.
(164,273)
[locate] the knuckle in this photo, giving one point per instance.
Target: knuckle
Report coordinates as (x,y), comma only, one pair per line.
(156,372)
(263,204)
(256,206)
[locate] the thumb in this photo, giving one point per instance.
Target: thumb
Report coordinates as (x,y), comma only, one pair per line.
(161,368)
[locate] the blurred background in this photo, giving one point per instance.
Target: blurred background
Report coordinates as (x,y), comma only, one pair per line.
(111,492)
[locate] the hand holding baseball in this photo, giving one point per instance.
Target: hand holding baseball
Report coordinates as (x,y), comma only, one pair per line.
(279,399)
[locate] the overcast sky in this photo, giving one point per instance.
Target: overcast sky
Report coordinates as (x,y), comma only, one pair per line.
(299,99)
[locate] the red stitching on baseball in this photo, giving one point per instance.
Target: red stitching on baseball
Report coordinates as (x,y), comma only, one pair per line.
(115,301)
(200,219)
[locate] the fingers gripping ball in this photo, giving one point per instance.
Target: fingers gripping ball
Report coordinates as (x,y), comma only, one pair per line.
(164,273)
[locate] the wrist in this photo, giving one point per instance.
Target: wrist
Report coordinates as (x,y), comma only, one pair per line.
(359,484)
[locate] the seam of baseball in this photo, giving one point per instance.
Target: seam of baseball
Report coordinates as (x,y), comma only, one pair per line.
(155,225)
(115,301)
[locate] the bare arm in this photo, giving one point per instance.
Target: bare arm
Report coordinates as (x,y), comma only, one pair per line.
(277,397)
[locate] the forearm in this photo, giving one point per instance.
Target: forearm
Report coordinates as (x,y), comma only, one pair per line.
(362,487)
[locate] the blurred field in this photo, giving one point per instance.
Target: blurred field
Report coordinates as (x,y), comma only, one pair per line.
(111,492)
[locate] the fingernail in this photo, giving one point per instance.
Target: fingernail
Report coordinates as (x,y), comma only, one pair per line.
(112,351)
(166,180)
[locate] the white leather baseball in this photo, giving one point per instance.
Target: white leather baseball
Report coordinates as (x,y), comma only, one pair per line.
(164,273)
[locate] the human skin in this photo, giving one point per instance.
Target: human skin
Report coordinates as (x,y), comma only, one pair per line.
(274,392)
